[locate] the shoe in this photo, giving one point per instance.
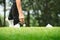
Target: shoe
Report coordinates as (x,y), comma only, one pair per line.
(17,25)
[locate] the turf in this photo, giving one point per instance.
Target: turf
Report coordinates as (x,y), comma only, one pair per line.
(30,33)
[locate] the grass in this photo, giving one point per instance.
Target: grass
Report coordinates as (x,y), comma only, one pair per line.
(30,33)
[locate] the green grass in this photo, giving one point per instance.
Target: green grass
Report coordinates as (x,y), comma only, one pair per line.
(30,33)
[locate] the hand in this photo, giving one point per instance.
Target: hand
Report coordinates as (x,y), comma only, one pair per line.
(21,18)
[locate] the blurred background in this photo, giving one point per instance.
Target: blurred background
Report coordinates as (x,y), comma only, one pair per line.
(37,13)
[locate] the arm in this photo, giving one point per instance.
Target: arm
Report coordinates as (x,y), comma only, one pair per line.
(19,7)
(18,3)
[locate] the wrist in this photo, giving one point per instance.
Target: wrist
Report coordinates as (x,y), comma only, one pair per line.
(21,16)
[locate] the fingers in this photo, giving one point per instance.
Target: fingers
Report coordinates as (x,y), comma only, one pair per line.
(21,20)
